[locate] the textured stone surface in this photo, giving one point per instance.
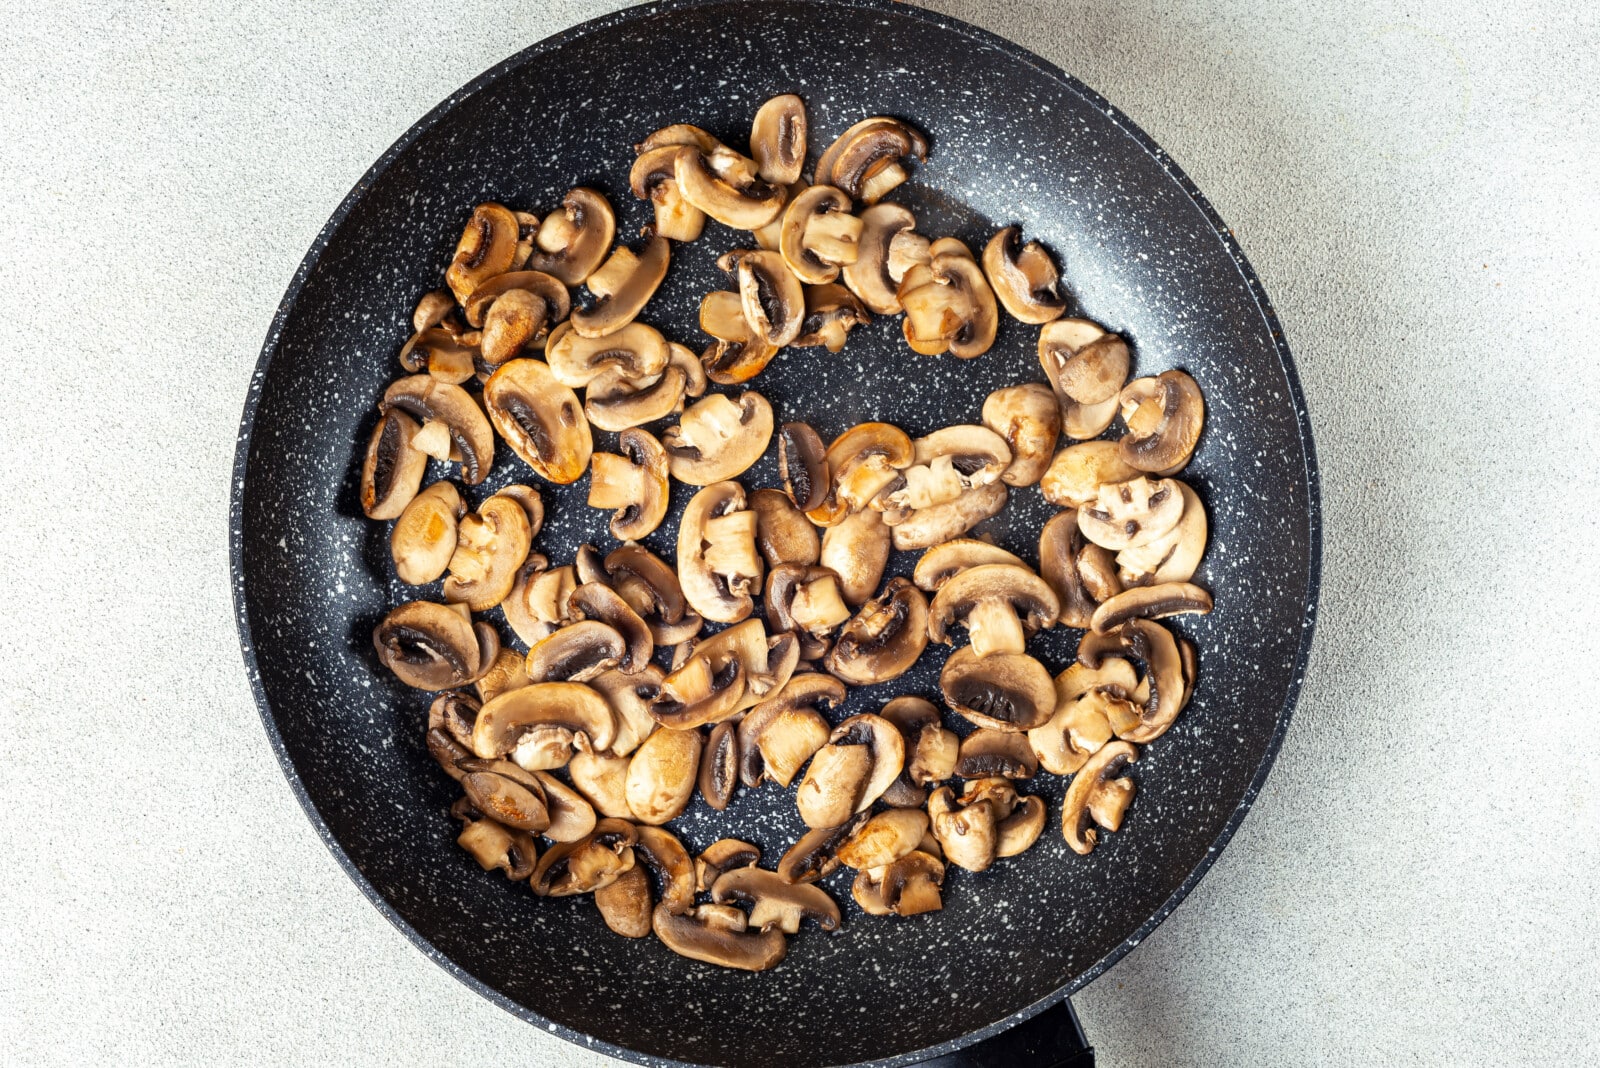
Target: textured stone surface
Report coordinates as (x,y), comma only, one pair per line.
(1418,196)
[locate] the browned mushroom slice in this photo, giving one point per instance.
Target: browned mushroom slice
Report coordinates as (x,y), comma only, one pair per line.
(725,186)
(783,534)
(771,297)
(1029,419)
(718,568)
(625,904)
(768,661)
(719,765)
(989,753)
(718,438)
(885,638)
(1002,691)
(940,523)
(832,311)
(597,601)
(1018,831)
(884,838)
(595,861)
(576,653)
(1085,364)
(428,646)
(494,845)
(663,854)
(783,731)
(870,276)
(1164,416)
(1133,513)
(649,586)
(718,934)
(725,854)
(491,545)
(455,713)
(1078,471)
(967,830)
(425,536)
(863,461)
(945,464)
(867,160)
(944,561)
(1087,701)
(506,793)
(636,351)
(1024,277)
(540,419)
(677,135)
(572,242)
(949,305)
(602,778)
(818,235)
(999,604)
(803,465)
(1099,794)
(774,903)
(629,697)
(432,401)
(738,354)
(517,319)
(807,601)
(1060,542)
(1175,555)
(857,550)
(1149,642)
(654,178)
(534,723)
(503,674)
(778,139)
(622,286)
(863,756)
(662,775)
(1151,602)
(549,289)
(441,355)
(537,604)
(931,748)
(633,483)
(433,308)
(487,247)
(815,855)
(908,887)
(571,815)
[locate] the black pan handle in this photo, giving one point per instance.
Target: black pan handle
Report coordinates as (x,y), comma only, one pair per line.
(1052,1039)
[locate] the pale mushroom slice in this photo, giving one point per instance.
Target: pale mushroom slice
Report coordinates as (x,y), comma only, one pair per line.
(718,567)
(967,830)
(491,546)
(1088,702)
(572,818)
(884,838)
(857,550)
(884,639)
(783,731)
(576,653)
(1018,831)
(1002,691)
(1175,555)
(931,748)
(613,401)
(629,697)
(1151,602)
(1166,685)
(633,483)
(907,887)
(719,765)
(424,537)
(946,560)
(654,178)
(737,354)
(540,419)
(441,354)
(832,311)
(930,526)
(949,305)
(818,235)
(719,934)
(433,308)
(778,139)
(770,294)
(537,603)
(718,438)
(393,467)
(1099,794)
(591,863)
(662,774)
(598,601)
(1164,416)
(625,904)
(806,601)
(574,241)
(602,778)
(776,904)
(428,646)
(1024,277)
(999,604)
(541,723)
(488,247)
(989,753)
(863,756)
(1129,514)
(494,845)
(1029,419)
(945,464)
(622,286)
(815,855)
(637,351)
(1078,471)
(724,184)
(783,534)
(452,408)
(803,465)
(723,855)
(870,277)
(868,159)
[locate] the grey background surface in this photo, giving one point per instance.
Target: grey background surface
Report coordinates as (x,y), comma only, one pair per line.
(1419,189)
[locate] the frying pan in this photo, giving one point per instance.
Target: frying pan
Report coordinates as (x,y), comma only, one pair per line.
(1013,140)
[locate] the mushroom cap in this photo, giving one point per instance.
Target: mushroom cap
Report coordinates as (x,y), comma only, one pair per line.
(1028,417)
(857,550)
(1089,374)
(809,258)
(570,707)
(488,246)
(636,351)
(869,277)
(1147,641)
(949,305)
(392,469)
(739,353)
(774,903)
(717,562)
(594,861)
(493,845)
(968,831)
(931,526)
(662,775)
(663,854)
(864,159)
(432,401)
(885,638)
(863,756)
(807,602)
(719,765)
(625,904)
(428,646)
(724,854)
(576,653)
(1078,471)
(491,546)
(783,534)
(702,690)
(504,673)
(768,661)
(634,483)
(571,815)
(944,561)
(622,287)
(908,887)
(537,603)
(803,465)
(987,753)
(629,697)
(424,537)
(778,139)
(613,402)
(1002,691)
(653,177)
(635,568)
(884,838)
(540,419)
(1024,277)
(1060,542)
(1151,602)
(1018,831)
(770,294)
(573,242)
(832,311)
(945,465)
(1175,555)
(678,135)
(718,438)
(862,462)
(442,355)
(783,731)
(1132,513)
(931,750)
(594,600)
(815,855)
(1164,415)
(716,934)
(988,599)
(547,288)
(742,201)
(1088,791)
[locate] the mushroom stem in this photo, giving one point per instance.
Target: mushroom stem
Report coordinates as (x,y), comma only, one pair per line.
(995,628)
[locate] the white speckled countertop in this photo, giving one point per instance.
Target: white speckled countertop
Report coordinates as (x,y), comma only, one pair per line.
(1417,188)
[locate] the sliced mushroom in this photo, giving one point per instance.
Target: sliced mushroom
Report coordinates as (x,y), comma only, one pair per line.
(602,778)
(867,160)
(491,546)
(819,235)
(783,534)
(739,353)
(884,838)
(1099,794)
(613,401)
(662,774)
(1024,277)
(571,815)
(428,646)
(1018,831)
(1085,364)
(1132,513)
(717,562)
(454,713)
(506,793)
(678,135)
(549,290)
(663,854)
(944,561)
(440,354)
(503,675)
(629,697)
(945,464)
(832,311)
(808,602)
(967,832)
(988,753)
(931,748)
(392,470)
(815,855)
(515,320)
(636,351)
(597,601)
(774,903)
(857,550)
(949,305)
(778,139)
(989,599)
(717,934)
(767,662)
(719,765)
(1175,555)
(622,287)
(770,295)
(542,717)
(1076,474)
(908,887)
(1087,702)
(651,588)
(576,653)
(425,536)
(493,845)
(537,604)
(863,461)
(725,186)
(572,242)
(540,419)
(718,438)
(634,484)
(1151,602)
(654,178)
(593,862)
(488,247)
(940,523)
(1029,419)
(885,638)
(803,465)
(1060,542)
(432,401)
(723,855)
(1002,691)
(1151,643)
(783,732)
(863,756)
(433,308)
(870,276)
(625,904)
(1164,416)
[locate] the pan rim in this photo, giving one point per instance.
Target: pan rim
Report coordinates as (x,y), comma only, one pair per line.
(602,24)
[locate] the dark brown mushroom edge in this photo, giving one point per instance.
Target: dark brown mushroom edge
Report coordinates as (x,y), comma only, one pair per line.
(623,685)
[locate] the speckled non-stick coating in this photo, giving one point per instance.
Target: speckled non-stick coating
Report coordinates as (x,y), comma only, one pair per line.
(1013,141)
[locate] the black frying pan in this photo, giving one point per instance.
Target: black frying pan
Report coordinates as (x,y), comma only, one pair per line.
(1014,139)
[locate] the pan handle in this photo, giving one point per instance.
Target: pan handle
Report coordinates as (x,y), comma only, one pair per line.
(1052,1039)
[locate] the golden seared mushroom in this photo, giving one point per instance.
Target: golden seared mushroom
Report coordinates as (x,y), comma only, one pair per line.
(662,775)
(857,550)
(723,855)
(425,536)
(602,779)
(832,311)
(718,438)
(573,242)
(949,305)
(1024,277)
(494,845)
(776,904)
(930,526)
(663,855)
(654,178)
(815,855)
(1078,471)
(438,353)
(768,660)
(724,184)
(455,712)
(506,793)
(806,601)
(944,465)
(594,861)
(576,653)
(629,697)
(539,724)
(770,295)
(884,639)
(868,159)
(1060,543)
(1151,602)
(1029,419)
(503,675)
(1132,513)
(1002,691)
(999,604)
(1164,416)
(908,887)
(1165,688)
(636,351)
(598,601)
(622,286)
(651,588)
(870,277)
(1061,343)
(884,838)
(931,748)
(803,465)
(720,935)
(1175,555)
(1087,702)
(988,753)
(625,904)
(967,829)
(946,560)
(633,483)
(719,765)
(1018,831)
(863,461)
(783,732)
(677,135)
(527,234)
(428,646)
(778,139)
(434,402)
(783,534)
(491,546)
(537,603)
(516,311)
(704,688)
(571,816)
(433,308)
(1099,794)
(488,247)
(818,235)
(540,419)
(863,756)
(614,402)
(738,354)
(717,563)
